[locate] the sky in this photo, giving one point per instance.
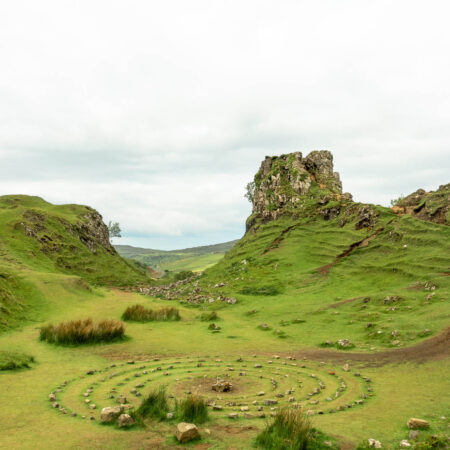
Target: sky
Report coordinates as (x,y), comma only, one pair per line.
(158,113)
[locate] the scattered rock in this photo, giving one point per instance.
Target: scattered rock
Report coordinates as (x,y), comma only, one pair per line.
(125,420)
(374,443)
(186,432)
(110,413)
(414,423)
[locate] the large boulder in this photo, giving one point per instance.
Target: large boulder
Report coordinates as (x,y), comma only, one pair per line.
(110,413)
(414,423)
(186,432)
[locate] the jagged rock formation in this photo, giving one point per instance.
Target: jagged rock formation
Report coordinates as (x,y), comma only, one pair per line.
(433,206)
(290,183)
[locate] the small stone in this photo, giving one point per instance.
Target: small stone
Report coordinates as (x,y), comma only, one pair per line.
(233,416)
(413,435)
(405,443)
(125,420)
(414,423)
(374,443)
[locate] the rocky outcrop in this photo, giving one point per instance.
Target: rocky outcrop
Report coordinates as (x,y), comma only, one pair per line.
(433,206)
(290,183)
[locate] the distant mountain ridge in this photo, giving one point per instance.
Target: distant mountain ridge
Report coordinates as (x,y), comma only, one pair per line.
(194,258)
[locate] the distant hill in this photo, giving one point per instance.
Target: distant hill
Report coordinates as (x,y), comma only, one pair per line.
(195,258)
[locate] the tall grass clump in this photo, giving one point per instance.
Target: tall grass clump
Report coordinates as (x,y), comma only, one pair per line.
(86,331)
(290,429)
(138,313)
(193,409)
(155,405)
(14,360)
(209,316)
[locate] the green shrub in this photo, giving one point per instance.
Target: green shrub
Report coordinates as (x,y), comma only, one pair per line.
(260,290)
(139,313)
(155,405)
(14,360)
(183,275)
(209,316)
(82,332)
(193,409)
(291,430)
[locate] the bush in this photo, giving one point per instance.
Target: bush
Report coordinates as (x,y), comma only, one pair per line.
(261,290)
(193,409)
(14,360)
(155,405)
(209,316)
(290,430)
(183,275)
(139,313)
(83,332)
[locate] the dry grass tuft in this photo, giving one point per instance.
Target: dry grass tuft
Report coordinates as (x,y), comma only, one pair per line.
(86,331)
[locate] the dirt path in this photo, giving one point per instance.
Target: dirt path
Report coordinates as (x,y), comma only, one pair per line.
(437,347)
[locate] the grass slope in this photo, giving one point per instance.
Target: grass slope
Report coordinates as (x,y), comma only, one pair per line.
(37,237)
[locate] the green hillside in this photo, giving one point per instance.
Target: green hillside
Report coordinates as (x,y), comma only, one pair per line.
(67,241)
(196,258)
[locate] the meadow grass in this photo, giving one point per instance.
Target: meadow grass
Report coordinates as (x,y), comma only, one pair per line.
(209,316)
(290,429)
(14,360)
(139,313)
(192,409)
(155,405)
(76,332)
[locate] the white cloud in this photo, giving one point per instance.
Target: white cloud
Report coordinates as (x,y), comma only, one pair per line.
(158,113)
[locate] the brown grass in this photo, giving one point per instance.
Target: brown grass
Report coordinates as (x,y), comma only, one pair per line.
(86,331)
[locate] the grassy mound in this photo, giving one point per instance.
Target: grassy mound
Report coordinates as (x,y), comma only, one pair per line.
(86,331)
(291,430)
(14,360)
(139,313)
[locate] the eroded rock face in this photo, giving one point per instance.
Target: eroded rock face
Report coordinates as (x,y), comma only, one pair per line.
(286,182)
(433,206)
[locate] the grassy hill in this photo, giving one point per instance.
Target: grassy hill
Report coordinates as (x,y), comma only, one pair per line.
(196,258)
(68,243)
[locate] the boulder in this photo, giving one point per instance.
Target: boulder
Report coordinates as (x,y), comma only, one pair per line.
(125,420)
(414,423)
(110,413)
(186,432)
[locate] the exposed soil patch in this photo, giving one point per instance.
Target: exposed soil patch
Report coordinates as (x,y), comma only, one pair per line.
(325,270)
(276,242)
(435,348)
(342,302)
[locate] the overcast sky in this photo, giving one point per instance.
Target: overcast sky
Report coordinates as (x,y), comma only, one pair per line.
(157,113)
